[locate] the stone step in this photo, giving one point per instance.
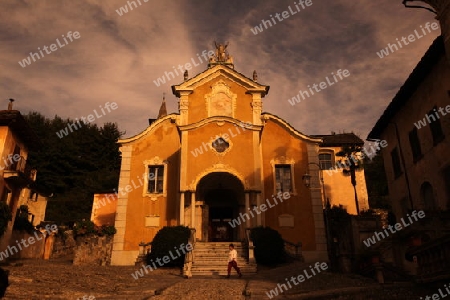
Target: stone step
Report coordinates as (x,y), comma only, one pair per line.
(212,259)
(222,271)
(215,264)
(217,258)
(217,253)
(212,255)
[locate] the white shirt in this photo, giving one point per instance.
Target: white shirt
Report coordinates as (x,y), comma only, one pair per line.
(232,255)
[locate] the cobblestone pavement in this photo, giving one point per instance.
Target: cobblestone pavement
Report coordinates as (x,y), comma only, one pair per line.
(38,279)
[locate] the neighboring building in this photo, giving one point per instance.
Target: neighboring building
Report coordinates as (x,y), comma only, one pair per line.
(338,186)
(416,126)
(16,138)
(36,203)
(218,161)
(104,209)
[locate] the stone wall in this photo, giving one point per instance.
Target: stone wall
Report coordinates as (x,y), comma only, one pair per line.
(35,242)
(64,245)
(93,250)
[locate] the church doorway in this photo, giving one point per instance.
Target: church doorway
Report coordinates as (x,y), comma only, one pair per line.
(222,195)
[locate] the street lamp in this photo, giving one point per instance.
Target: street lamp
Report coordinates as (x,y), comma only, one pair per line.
(307,181)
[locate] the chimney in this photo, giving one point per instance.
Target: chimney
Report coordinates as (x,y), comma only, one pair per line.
(10,104)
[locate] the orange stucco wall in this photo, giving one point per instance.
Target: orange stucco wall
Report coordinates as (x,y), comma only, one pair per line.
(278,142)
(339,189)
(104,209)
(163,142)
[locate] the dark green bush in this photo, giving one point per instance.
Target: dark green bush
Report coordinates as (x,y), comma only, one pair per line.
(87,227)
(5,217)
(84,227)
(169,239)
(269,245)
(21,222)
(107,230)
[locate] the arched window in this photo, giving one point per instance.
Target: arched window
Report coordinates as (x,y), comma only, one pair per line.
(326,160)
(427,196)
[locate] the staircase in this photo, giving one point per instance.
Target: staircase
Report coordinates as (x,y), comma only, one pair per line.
(212,259)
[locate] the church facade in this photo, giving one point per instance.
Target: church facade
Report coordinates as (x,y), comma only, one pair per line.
(220,166)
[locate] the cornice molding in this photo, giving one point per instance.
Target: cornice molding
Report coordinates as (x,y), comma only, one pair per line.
(290,128)
(220,121)
(172,117)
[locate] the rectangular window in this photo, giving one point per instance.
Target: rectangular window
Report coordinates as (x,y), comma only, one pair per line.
(283,182)
(435,126)
(396,163)
(155,179)
(325,161)
(415,145)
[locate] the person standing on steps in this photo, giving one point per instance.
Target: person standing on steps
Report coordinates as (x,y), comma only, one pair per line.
(232,257)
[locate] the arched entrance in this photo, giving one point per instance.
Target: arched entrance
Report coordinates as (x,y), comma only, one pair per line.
(222,197)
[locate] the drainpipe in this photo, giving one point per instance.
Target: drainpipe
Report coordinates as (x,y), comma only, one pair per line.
(403,164)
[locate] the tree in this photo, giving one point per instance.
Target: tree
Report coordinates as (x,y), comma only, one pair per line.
(353,163)
(75,166)
(376,182)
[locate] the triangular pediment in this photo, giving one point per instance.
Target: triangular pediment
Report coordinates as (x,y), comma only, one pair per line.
(220,70)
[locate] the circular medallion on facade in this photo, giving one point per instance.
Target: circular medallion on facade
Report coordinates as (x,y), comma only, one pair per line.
(220,145)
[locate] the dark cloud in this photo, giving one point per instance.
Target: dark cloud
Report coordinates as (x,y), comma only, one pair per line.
(118,58)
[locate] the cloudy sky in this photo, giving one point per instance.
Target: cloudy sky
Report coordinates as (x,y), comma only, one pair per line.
(118,58)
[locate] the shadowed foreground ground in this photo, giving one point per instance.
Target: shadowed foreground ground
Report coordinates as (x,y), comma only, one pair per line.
(38,279)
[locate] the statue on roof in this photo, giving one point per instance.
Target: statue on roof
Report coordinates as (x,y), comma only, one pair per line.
(221,56)
(221,52)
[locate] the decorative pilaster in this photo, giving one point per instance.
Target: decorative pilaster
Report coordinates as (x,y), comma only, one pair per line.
(317,206)
(183,107)
(193,209)
(257,108)
(121,212)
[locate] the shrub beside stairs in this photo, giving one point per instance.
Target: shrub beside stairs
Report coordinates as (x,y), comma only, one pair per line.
(212,259)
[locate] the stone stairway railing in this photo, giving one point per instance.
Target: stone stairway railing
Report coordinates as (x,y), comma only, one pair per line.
(294,250)
(248,243)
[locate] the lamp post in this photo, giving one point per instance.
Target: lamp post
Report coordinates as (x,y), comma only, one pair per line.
(307,182)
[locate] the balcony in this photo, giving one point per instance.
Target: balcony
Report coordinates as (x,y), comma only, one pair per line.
(18,173)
